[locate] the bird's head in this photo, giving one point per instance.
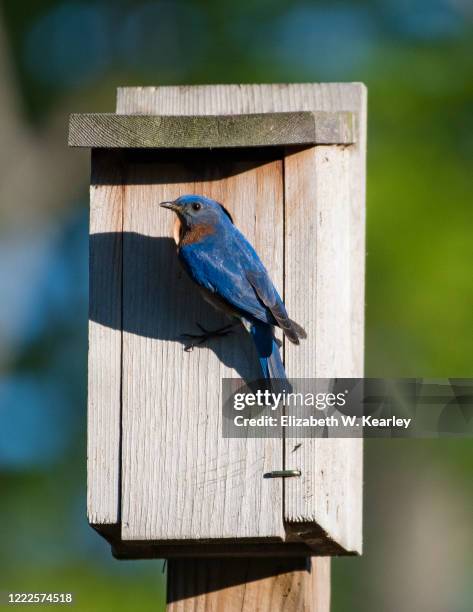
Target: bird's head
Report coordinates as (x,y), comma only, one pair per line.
(194,210)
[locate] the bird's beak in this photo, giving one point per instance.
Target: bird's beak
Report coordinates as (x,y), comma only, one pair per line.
(170,205)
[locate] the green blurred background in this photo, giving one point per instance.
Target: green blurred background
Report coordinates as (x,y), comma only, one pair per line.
(416,56)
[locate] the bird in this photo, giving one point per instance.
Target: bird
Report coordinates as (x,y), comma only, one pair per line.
(232,278)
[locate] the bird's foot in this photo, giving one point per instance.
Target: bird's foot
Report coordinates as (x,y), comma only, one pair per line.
(193,340)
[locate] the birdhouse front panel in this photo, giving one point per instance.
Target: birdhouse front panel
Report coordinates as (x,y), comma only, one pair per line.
(180,479)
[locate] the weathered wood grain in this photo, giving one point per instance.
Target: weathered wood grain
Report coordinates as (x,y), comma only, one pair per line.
(235,99)
(186,132)
(105,339)
(247,585)
(180,478)
(324,291)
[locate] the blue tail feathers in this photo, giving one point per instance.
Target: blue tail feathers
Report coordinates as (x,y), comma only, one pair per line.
(268,351)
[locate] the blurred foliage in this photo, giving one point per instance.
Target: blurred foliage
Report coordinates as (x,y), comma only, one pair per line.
(417,59)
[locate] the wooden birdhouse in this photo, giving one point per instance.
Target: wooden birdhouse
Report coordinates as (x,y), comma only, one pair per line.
(288,163)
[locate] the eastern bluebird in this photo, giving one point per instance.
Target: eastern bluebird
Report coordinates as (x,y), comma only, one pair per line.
(231,277)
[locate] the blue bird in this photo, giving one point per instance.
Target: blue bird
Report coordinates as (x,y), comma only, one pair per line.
(231,277)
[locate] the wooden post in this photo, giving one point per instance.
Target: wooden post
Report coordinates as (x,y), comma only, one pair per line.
(249,585)
(288,161)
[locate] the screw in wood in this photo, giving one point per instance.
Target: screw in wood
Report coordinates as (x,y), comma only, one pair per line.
(282,474)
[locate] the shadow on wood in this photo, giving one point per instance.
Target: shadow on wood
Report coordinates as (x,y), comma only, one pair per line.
(159,300)
(111,166)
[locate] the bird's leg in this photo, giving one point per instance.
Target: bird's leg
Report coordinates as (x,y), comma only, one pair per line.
(193,340)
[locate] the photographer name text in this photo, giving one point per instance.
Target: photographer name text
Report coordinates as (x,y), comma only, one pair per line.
(285,420)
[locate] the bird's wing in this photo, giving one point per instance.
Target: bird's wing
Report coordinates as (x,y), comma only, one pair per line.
(230,268)
(266,292)
(223,273)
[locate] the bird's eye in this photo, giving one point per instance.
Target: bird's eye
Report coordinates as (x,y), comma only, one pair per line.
(196,206)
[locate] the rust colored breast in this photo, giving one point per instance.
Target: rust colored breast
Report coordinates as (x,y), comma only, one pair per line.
(177,230)
(195,234)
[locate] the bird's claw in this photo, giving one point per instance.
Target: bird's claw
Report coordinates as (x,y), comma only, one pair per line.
(198,339)
(195,340)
